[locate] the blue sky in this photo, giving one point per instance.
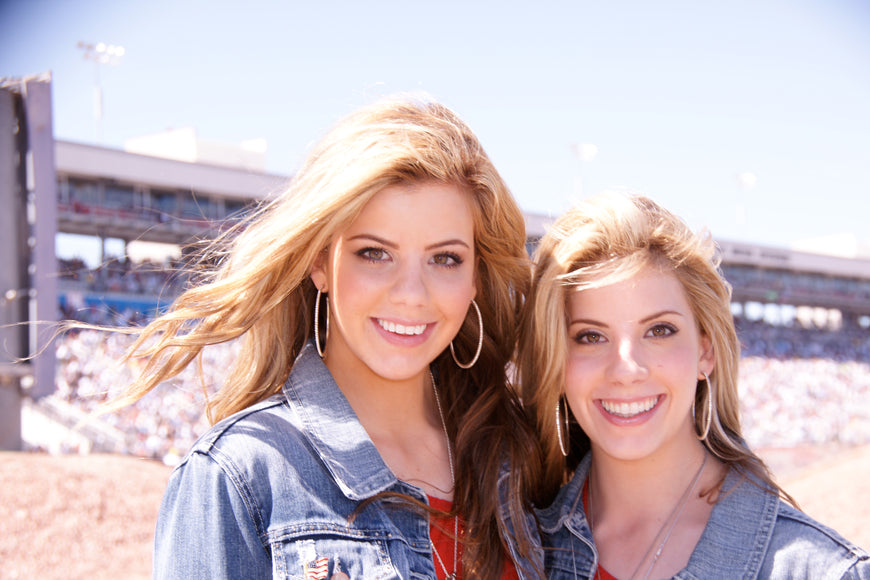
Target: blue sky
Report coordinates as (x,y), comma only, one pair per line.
(678,97)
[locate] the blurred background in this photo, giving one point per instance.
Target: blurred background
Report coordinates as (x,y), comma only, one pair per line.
(134,129)
(746,117)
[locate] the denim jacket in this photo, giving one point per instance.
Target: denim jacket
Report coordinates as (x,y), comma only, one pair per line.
(277,488)
(751,533)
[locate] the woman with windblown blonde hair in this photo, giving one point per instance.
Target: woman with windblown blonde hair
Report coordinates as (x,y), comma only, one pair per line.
(366,429)
(629,363)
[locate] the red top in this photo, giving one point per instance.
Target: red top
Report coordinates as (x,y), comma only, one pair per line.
(441,533)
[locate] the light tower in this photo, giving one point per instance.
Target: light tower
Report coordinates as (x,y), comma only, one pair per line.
(101,54)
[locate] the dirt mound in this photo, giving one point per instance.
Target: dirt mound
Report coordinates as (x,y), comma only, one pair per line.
(833,487)
(78,516)
(93,516)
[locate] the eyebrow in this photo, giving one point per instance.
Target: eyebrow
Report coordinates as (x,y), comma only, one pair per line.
(660,314)
(593,322)
(389,244)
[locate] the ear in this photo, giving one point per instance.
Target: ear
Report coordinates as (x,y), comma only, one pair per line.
(707,360)
(318,272)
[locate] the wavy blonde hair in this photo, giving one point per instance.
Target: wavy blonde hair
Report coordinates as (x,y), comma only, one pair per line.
(258,290)
(602,240)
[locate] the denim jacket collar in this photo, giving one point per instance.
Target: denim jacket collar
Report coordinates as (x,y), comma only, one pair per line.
(331,426)
(333,429)
(567,509)
(738,531)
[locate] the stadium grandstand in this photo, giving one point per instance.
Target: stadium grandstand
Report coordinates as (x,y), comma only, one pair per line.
(133,197)
(803,318)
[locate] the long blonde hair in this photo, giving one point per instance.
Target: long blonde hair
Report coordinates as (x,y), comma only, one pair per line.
(259,291)
(601,240)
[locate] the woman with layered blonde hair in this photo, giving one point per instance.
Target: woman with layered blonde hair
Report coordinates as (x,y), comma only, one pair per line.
(629,362)
(366,427)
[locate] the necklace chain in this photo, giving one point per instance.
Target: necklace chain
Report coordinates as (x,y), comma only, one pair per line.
(673,518)
(447,575)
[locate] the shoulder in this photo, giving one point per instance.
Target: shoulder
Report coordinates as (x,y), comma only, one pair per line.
(248,426)
(255,446)
(263,459)
(799,543)
(754,533)
(752,527)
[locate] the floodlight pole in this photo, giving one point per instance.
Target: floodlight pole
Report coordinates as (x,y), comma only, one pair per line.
(101,54)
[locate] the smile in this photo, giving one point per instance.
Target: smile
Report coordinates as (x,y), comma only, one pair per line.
(411,330)
(628,410)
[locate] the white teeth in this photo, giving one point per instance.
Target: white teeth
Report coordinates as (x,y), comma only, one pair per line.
(627,410)
(401,328)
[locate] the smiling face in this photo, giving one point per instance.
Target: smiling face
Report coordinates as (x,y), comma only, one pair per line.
(635,355)
(400,281)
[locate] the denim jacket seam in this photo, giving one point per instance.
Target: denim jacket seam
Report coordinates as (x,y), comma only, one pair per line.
(307,529)
(210,440)
(802,518)
(240,484)
(763,537)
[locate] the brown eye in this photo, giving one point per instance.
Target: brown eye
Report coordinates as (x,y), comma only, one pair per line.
(448,260)
(588,337)
(373,254)
(662,330)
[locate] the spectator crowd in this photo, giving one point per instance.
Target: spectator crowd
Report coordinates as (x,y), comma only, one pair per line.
(789,396)
(118,292)
(163,424)
(797,385)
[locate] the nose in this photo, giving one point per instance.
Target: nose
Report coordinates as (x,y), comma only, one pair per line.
(628,364)
(409,285)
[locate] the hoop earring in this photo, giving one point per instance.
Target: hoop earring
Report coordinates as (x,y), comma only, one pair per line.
(707,418)
(563,446)
(317,323)
(479,341)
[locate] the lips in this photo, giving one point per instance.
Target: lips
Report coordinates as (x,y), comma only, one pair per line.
(627,410)
(405,330)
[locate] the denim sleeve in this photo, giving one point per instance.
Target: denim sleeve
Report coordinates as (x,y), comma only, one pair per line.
(860,571)
(204,529)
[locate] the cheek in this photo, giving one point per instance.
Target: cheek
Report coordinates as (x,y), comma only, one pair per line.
(681,364)
(577,377)
(579,384)
(349,278)
(454,296)
(351,294)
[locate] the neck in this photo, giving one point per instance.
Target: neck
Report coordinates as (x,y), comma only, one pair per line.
(644,488)
(647,515)
(385,407)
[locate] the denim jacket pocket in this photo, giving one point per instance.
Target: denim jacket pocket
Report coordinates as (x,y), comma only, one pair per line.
(358,554)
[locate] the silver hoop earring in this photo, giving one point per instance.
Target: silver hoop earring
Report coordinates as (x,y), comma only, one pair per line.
(563,446)
(707,418)
(479,341)
(317,323)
